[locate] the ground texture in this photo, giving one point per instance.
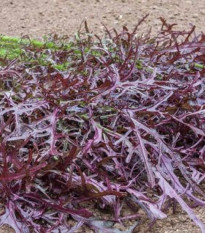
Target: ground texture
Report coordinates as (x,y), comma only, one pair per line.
(42,17)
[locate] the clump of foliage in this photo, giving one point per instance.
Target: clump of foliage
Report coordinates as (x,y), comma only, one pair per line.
(123,123)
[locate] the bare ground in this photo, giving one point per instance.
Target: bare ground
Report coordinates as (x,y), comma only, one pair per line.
(42,17)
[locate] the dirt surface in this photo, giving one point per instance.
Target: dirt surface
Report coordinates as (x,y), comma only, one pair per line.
(42,17)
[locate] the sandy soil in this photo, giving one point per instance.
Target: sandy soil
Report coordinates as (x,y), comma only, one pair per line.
(42,17)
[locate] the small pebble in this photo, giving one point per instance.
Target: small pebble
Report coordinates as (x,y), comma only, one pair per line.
(202,11)
(195,15)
